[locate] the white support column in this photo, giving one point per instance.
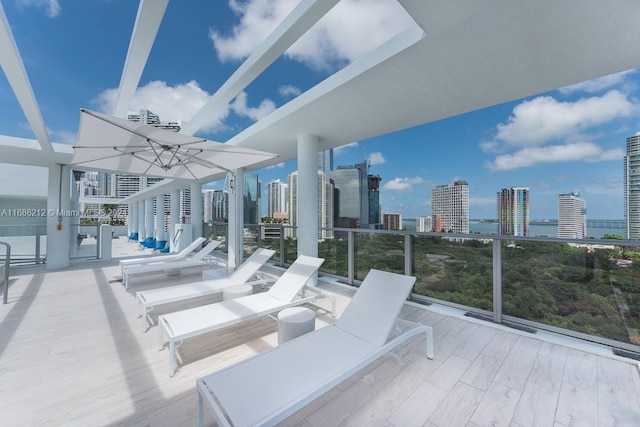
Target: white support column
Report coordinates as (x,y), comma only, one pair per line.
(160,234)
(142,231)
(196,209)
(132,217)
(174,214)
(148,212)
(236,219)
(58,229)
(308,195)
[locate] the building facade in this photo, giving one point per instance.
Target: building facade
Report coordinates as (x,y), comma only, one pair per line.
(450,204)
(392,221)
(632,187)
(513,211)
(375,217)
(252,198)
(352,193)
(424,224)
(277,198)
(220,206)
(325,204)
(572,216)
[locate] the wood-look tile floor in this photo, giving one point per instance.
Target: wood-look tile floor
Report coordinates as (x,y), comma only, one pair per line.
(72,353)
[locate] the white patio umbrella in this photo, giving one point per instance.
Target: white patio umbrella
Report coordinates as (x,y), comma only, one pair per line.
(112,144)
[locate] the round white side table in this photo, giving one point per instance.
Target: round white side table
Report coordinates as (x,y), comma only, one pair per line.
(294,322)
(236,291)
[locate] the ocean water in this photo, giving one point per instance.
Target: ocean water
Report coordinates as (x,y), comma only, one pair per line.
(534,229)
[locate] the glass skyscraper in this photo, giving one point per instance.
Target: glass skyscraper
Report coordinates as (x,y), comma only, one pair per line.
(513,211)
(632,187)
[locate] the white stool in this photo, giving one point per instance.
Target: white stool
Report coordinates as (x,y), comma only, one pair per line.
(172,272)
(236,291)
(294,322)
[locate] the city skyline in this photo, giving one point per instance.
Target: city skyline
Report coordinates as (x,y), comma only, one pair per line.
(567,140)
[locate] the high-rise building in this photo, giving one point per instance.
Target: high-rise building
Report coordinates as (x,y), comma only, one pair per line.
(423,224)
(450,203)
(513,211)
(325,204)
(632,187)
(392,221)
(352,188)
(325,163)
(375,217)
(220,206)
(277,198)
(252,198)
(572,216)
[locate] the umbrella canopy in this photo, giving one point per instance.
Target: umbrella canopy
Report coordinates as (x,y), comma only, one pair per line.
(117,145)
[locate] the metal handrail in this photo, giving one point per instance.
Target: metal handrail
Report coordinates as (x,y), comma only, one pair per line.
(7,263)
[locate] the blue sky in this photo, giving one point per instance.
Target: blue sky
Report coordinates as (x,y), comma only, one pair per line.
(571,139)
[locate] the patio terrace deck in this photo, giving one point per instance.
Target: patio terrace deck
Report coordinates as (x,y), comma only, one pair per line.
(72,353)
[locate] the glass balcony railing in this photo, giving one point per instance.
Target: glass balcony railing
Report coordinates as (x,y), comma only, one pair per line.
(588,289)
(28,243)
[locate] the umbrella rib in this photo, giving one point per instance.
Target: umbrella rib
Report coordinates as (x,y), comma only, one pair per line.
(158,158)
(189,170)
(103,158)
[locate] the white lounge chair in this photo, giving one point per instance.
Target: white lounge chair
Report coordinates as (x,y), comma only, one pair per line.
(196,321)
(164,258)
(198,259)
(268,387)
(153,298)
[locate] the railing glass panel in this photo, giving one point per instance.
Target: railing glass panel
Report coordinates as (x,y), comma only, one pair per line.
(593,289)
(28,243)
(335,254)
(454,270)
(382,251)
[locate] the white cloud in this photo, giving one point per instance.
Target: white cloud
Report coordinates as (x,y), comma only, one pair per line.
(343,34)
(181,102)
(600,84)
(240,107)
(52,7)
(171,103)
(544,119)
(338,151)
(376,159)
(289,90)
(63,136)
(581,151)
(402,184)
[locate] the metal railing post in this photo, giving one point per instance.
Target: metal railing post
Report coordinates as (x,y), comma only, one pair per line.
(282,257)
(7,264)
(408,255)
(37,245)
(497,281)
(259,235)
(351,258)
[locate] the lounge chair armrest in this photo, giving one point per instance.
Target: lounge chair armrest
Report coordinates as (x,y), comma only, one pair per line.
(428,330)
(319,294)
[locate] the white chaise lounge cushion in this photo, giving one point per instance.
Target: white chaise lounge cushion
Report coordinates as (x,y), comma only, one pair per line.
(362,319)
(285,378)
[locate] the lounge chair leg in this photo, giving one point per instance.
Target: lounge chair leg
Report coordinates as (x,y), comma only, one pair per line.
(200,410)
(429,336)
(160,342)
(172,358)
